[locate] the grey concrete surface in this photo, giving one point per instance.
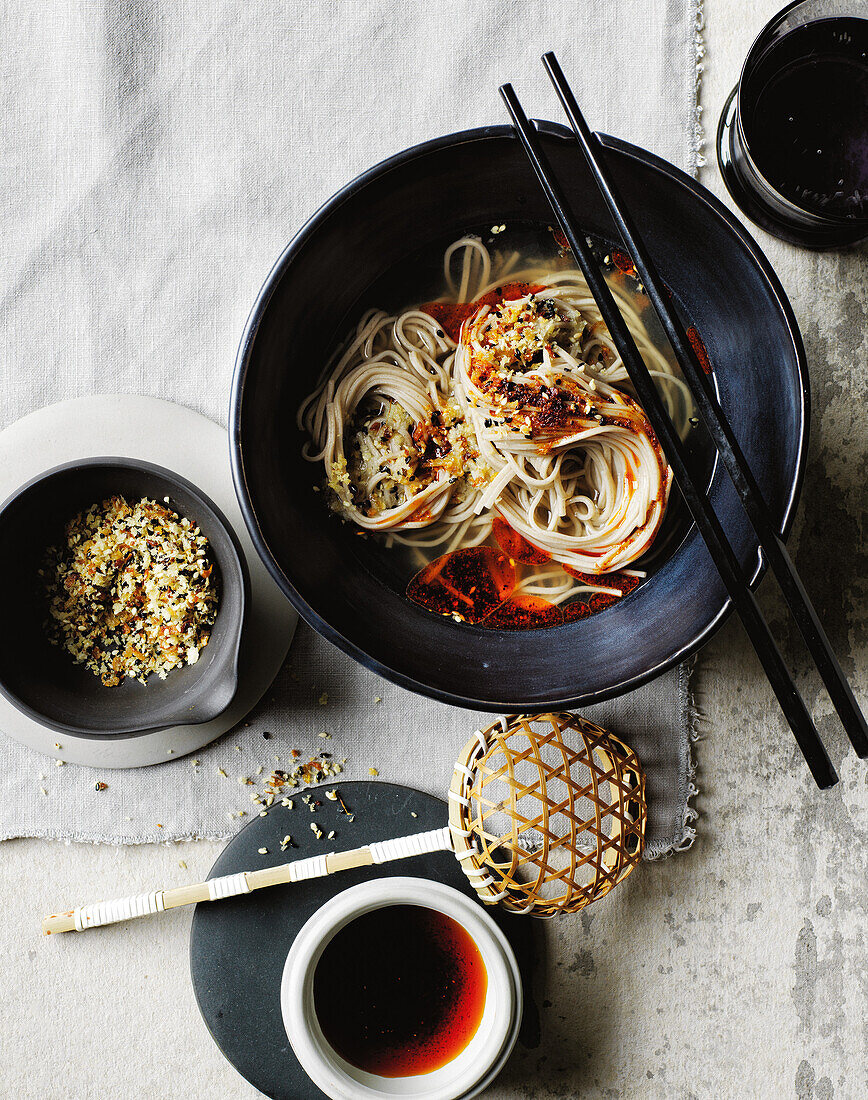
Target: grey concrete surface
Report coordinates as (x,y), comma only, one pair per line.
(736,970)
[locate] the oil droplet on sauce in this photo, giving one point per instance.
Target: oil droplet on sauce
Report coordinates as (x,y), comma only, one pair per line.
(400,991)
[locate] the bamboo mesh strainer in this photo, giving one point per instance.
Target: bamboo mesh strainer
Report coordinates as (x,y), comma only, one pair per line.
(546,814)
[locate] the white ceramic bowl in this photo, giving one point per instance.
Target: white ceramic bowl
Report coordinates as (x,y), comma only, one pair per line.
(471,1070)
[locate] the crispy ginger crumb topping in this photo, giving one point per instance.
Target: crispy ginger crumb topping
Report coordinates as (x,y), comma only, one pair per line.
(392,457)
(131,590)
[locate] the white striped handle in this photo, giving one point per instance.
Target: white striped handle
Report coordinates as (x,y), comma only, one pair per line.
(438,840)
(227,886)
(109,912)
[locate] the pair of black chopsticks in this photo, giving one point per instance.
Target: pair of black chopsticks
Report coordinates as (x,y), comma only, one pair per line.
(721,433)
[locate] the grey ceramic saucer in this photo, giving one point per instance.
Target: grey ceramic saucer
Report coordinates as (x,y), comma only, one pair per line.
(168,435)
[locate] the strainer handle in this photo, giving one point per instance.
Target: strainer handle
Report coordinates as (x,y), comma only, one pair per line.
(227,886)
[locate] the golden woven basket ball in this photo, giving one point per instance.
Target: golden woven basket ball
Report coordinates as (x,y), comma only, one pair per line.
(547,812)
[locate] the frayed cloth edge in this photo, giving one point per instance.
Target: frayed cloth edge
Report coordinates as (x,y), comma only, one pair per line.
(697,45)
(692,715)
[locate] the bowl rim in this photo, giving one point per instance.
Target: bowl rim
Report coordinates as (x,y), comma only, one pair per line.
(257,312)
(233,639)
(476,1065)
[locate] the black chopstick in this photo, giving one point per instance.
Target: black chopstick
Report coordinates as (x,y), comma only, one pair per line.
(721,432)
(706,520)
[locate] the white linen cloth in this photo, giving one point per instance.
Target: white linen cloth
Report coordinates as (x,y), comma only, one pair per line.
(155,160)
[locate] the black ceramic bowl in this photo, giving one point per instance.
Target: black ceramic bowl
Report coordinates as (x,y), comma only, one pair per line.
(41,679)
(429,195)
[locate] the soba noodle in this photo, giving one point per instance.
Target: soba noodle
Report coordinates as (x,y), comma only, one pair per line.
(528,415)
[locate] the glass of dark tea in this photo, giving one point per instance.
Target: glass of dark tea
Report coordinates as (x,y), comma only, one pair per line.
(792,143)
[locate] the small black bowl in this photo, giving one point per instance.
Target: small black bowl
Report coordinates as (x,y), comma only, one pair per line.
(425,197)
(41,679)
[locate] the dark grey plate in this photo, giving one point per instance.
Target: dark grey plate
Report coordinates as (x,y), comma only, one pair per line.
(42,680)
(428,195)
(238,947)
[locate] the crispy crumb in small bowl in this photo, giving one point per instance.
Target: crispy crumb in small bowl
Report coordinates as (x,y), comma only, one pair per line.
(164,634)
(130,590)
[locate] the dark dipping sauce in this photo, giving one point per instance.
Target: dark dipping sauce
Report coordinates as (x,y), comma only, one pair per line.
(804,111)
(400,991)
